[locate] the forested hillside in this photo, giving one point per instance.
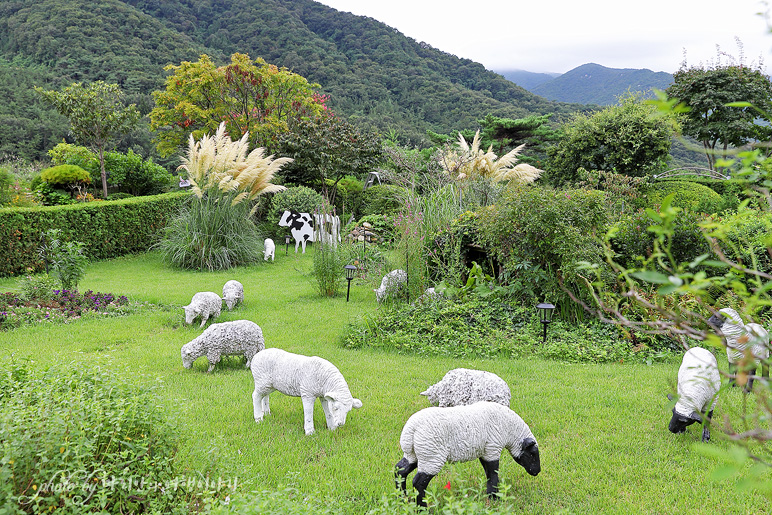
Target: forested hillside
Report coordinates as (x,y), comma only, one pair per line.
(376,76)
(595,84)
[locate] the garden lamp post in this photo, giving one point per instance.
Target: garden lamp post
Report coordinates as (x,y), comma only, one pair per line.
(545,311)
(286,244)
(350,269)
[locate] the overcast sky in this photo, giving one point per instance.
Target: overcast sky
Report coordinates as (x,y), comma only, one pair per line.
(559,35)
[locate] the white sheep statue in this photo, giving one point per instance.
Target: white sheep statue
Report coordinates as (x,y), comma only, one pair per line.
(390,284)
(240,337)
(462,386)
(232,294)
(305,377)
(741,338)
(205,304)
(698,385)
(435,436)
(269,249)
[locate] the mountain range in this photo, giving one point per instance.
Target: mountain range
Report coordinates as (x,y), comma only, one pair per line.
(376,76)
(590,83)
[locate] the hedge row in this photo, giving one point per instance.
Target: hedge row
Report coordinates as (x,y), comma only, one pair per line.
(109,229)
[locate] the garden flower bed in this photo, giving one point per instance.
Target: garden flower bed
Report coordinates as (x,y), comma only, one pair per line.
(61,306)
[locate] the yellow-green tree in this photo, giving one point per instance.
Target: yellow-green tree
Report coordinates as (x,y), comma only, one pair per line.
(252,97)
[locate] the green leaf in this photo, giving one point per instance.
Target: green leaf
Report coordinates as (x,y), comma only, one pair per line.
(650,276)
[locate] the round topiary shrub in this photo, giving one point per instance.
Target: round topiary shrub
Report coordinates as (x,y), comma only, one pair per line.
(297,198)
(688,195)
(63,175)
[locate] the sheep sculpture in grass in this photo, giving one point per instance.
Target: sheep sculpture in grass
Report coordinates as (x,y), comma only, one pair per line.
(204,304)
(240,337)
(391,284)
(747,345)
(301,376)
(269,249)
(232,294)
(698,384)
(435,436)
(462,386)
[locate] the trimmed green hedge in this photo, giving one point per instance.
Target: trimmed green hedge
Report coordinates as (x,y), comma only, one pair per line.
(109,229)
(688,195)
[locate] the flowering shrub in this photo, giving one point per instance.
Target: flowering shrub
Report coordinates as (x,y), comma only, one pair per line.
(61,306)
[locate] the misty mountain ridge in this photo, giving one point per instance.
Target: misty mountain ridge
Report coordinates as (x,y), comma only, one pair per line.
(590,83)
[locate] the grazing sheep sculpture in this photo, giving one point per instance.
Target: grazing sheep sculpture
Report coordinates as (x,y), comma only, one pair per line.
(462,386)
(270,249)
(240,337)
(698,384)
(390,284)
(232,294)
(435,436)
(205,304)
(739,338)
(305,377)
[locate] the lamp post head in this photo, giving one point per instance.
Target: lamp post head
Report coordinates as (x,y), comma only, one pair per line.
(350,270)
(287,239)
(545,309)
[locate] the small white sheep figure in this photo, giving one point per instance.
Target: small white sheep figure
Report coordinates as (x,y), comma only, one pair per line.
(232,294)
(305,377)
(741,338)
(270,249)
(240,337)
(205,304)
(390,284)
(698,385)
(462,386)
(435,436)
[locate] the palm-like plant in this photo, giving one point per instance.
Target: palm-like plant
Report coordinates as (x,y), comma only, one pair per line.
(215,231)
(467,163)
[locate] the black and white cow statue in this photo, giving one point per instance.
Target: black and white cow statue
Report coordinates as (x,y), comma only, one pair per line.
(301,227)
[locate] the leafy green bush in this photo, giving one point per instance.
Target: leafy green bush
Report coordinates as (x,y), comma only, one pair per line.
(688,195)
(83,440)
(486,328)
(746,237)
(381,199)
(131,174)
(108,229)
(348,196)
(66,257)
(297,198)
(65,174)
(533,228)
(39,287)
(48,195)
(632,238)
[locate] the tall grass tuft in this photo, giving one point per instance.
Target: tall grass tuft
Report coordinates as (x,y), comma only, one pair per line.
(215,232)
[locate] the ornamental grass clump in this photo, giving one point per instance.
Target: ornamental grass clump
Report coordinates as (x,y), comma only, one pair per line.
(215,230)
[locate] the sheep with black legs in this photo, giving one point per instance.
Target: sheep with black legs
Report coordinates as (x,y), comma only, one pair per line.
(741,339)
(462,386)
(240,337)
(435,436)
(698,384)
(305,377)
(232,294)
(204,304)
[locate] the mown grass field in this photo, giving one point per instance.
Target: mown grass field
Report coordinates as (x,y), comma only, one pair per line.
(601,429)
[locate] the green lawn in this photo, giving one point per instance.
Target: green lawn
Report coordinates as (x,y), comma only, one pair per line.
(601,429)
